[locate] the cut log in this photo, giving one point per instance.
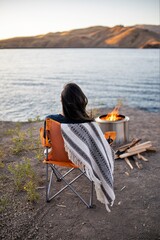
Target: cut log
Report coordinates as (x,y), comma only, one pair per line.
(148,142)
(136,150)
(124,155)
(128,162)
(140,146)
(133,151)
(152,149)
(116,156)
(126,145)
(129,145)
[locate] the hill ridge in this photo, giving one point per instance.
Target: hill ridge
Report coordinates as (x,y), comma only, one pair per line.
(137,36)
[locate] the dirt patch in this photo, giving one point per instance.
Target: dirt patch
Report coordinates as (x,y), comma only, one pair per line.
(134,215)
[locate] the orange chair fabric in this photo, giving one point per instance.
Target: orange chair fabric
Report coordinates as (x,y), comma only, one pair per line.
(58,155)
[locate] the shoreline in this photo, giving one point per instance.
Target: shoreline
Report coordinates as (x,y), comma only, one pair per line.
(10,48)
(142,124)
(124,110)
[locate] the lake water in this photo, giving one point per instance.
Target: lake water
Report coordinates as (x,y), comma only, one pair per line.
(31,80)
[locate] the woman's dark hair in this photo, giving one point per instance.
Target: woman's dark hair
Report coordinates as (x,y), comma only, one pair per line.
(74,103)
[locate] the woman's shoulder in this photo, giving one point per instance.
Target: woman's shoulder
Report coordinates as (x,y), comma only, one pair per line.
(57,117)
(62,119)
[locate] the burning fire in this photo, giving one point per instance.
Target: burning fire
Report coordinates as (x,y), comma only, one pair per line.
(114,115)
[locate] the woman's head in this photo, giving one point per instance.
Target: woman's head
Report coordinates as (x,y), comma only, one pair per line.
(74,102)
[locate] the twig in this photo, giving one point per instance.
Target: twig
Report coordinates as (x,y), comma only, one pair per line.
(142,158)
(123,188)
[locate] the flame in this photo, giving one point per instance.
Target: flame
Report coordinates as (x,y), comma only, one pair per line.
(114,115)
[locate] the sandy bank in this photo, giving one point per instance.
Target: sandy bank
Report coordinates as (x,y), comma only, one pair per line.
(135,213)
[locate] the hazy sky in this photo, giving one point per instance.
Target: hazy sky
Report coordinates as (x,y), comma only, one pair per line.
(33,17)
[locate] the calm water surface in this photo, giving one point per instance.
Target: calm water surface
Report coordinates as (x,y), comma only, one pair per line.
(31,80)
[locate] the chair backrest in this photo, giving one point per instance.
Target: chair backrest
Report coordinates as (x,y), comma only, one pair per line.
(54,139)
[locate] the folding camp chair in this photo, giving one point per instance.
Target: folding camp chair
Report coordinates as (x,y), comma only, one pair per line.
(56,158)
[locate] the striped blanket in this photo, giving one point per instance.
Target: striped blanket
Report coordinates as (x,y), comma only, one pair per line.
(88,149)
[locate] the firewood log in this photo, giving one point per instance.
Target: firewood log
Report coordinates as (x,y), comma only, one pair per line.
(129,145)
(121,148)
(152,149)
(140,146)
(132,153)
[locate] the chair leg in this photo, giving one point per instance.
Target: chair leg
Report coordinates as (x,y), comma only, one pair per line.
(56,174)
(47,190)
(91,205)
(68,184)
(48,183)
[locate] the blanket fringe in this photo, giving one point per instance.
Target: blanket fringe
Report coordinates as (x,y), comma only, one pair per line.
(73,158)
(90,175)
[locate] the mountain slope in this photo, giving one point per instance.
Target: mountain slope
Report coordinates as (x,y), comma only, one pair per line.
(138,36)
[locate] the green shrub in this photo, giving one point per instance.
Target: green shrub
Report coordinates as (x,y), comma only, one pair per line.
(24,178)
(36,119)
(19,142)
(30,188)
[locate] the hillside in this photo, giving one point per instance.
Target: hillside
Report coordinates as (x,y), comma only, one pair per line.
(138,36)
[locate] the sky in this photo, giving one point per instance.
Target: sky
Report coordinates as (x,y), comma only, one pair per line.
(35,17)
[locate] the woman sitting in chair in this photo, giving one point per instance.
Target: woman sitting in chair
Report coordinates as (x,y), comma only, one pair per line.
(74,104)
(84,142)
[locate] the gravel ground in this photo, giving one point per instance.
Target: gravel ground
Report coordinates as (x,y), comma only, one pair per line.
(134,216)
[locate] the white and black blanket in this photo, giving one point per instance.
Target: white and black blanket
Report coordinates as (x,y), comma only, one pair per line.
(88,149)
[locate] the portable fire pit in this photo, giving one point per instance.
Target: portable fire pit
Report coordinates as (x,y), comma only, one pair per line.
(116,128)
(115,123)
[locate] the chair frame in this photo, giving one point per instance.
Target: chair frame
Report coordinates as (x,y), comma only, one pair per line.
(61,177)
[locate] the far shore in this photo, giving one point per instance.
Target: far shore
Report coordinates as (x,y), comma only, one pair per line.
(137,36)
